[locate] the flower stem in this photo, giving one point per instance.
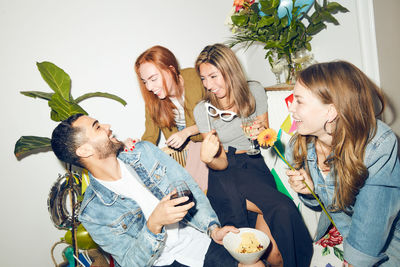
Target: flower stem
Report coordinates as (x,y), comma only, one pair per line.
(309,188)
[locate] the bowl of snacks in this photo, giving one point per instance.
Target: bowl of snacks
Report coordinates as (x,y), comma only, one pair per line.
(247,246)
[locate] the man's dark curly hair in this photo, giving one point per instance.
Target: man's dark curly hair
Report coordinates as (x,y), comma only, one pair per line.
(66,139)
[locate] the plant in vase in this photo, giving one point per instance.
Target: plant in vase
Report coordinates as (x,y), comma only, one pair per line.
(282,26)
(62,105)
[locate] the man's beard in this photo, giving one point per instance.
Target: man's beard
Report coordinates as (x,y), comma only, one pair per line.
(109,149)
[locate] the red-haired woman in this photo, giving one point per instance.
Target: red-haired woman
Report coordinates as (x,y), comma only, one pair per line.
(170,96)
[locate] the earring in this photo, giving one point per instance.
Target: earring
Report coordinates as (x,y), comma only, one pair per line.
(329,133)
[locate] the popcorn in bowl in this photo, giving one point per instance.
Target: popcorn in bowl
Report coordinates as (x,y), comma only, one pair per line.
(241,245)
(249,243)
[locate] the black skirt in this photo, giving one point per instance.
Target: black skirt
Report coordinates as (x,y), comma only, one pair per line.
(247,177)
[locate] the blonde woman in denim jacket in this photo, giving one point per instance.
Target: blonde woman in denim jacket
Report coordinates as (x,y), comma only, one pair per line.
(349,158)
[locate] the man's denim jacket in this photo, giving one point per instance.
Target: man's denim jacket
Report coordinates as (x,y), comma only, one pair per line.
(117,224)
(374,218)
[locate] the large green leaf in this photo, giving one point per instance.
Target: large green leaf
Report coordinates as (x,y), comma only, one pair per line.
(326,16)
(63,108)
(239,20)
(314,29)
(100,94)
(56,78)
(334,8)
(265,21)
(30,144)
(34,94)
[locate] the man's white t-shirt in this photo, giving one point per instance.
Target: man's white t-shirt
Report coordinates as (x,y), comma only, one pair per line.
(184,243)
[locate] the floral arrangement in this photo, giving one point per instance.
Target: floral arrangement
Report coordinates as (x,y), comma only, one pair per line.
(278,24)
(267,138)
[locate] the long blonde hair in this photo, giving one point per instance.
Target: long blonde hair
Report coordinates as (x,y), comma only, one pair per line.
(238,92)
(352,93)
(160,110)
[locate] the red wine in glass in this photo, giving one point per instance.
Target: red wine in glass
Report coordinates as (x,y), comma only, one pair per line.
(183,193)
(181,190)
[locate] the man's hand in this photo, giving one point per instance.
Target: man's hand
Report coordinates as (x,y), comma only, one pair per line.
(166,212)
(296,181)
(218,233)
(209,147)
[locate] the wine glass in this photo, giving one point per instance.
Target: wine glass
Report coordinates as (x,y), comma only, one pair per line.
(249,131)
(181,189)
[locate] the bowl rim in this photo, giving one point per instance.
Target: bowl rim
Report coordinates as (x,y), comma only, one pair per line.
(246,230)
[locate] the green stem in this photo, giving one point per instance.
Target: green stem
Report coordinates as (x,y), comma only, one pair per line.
(309,188)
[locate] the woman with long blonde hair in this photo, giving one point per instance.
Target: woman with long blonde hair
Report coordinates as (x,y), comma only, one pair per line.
(170,96)
(350,160)
(241,189)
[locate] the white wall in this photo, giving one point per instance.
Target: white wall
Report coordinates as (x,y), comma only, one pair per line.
(388,40)
(96,43)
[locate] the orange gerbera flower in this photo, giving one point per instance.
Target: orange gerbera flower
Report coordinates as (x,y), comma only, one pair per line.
(267,137)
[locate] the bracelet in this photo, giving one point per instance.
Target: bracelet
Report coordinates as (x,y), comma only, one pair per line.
(210,229)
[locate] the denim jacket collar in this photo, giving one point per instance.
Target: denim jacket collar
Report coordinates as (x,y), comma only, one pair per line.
(108,197)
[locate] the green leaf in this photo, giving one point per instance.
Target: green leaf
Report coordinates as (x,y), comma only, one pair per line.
(265,21)
(271,44)
(268,11)
(253,18)
(30,144)
(100,94)
(266,4)
(326,16)
(338,253)
(275,3)
(34,94)
(291,35)
(64,109)
(317,6)
(239,20)
(56,78)
(326,251)
(314,29)
(334,7)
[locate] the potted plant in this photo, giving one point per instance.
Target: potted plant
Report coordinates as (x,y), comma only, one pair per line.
(280,26)
(62,105)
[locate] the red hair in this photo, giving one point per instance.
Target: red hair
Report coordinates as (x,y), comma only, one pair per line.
(160,110)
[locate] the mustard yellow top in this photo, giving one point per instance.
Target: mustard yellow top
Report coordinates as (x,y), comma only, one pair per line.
(194,92)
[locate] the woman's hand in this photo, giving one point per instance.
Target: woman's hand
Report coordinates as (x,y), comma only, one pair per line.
(218,234)
(166,212)
(177,139)
(259,125)
(130,144)
(297,179)
(209,147)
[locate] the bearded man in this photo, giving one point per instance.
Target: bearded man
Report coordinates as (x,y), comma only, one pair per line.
(127,208)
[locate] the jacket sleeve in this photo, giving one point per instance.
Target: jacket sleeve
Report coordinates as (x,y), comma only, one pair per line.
(377,205)
(129,251)
(152,131)
(204,216)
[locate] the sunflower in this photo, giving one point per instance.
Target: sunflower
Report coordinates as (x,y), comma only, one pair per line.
(267,137)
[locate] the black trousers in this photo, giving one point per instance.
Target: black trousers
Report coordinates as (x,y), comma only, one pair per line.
(247,177)
(216,256)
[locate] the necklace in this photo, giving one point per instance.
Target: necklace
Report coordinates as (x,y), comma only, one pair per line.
(322,165)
